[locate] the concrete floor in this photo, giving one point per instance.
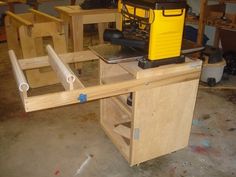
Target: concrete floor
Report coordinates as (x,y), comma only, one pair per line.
(56,142)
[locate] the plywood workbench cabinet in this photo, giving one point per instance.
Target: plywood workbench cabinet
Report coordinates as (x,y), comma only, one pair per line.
(159,120)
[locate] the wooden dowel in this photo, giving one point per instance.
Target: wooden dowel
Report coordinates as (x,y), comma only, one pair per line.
(63,72)
(19,75)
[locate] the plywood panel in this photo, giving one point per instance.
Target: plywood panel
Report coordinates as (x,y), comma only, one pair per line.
(162,118)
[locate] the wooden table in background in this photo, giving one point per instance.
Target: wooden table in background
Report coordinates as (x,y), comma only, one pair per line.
(77,17)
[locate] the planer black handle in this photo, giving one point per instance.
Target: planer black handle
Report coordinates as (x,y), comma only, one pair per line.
(172,15)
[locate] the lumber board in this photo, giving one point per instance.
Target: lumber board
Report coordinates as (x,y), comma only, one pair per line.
(123,131)
(46,29)
(12,37)
(46,17)
(27,43)
(115,79)
(102,91)
(136,71)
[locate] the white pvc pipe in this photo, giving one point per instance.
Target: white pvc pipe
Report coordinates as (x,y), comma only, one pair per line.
(19,75)
(53,57)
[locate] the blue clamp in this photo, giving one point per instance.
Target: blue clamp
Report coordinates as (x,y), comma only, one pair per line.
(82,98)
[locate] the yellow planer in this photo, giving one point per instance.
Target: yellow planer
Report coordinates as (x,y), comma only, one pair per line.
(153,26)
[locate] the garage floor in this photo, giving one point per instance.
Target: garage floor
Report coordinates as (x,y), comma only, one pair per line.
(57,142)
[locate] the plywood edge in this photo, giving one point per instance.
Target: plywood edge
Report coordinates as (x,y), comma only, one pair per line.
(123,131)
(123,106)
(103,91)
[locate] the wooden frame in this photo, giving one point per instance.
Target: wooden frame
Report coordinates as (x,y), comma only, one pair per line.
(25,34)
(143,131)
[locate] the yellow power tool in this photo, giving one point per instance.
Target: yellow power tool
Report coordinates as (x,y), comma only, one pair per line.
(154,26)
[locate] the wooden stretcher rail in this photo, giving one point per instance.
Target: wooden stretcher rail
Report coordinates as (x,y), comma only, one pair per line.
(40,62)
(19,20)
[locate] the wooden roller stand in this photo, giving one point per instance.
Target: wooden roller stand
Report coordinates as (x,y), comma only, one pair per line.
(26,35)
(160,118)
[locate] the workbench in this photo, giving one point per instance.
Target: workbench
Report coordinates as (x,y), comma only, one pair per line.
(77,17)
(26,34)
(157,123)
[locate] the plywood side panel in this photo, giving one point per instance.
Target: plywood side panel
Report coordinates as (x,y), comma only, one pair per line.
(111,116)
(163,117)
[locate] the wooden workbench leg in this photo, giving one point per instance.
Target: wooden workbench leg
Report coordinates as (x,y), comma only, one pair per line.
(201,27)
(78,37)
(27,43)
(77,32)
(118,21)
(59,43)
(67,22)
(101,28)
(12,37)
(39,48)
(66,28)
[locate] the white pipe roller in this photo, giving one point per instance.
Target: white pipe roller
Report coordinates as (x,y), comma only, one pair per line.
(19,75)
(54,58)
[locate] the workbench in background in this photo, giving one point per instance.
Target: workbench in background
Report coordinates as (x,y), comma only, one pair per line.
(77,18)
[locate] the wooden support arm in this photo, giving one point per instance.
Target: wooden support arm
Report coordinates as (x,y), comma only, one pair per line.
(103,91)
(46,16)
(19,20)
(64,73)
(40,62)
